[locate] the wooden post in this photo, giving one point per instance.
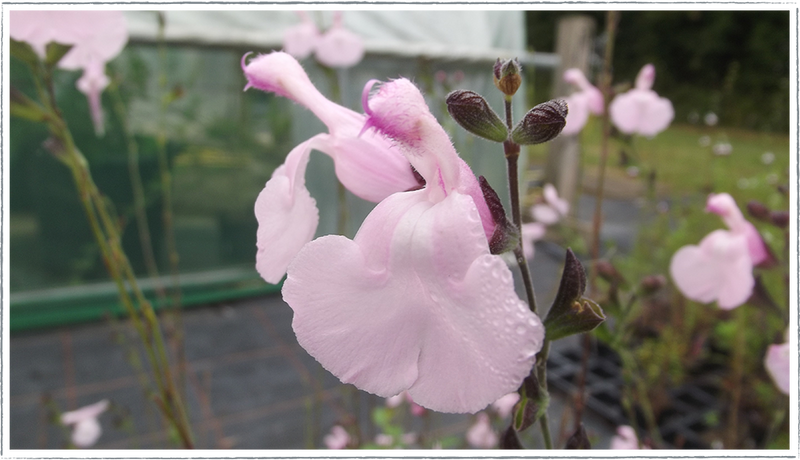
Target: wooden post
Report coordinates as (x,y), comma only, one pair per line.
(574,37)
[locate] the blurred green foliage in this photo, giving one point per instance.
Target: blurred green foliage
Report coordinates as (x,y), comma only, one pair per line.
(733,63)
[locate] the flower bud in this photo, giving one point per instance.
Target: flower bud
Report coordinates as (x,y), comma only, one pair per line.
(758,210)
(542,123)
(579,439)
(532,404)
(571,313)
(507,76)
(653,283)
(779,218)
(510,439)
(470,110)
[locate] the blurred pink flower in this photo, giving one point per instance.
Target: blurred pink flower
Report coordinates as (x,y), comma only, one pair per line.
(721,267)
(96,38)
(505,404)
(337,47)
(777,363)
(588,99)
(337,438)
(481,435)
(416,301)
(641,110)
(398,399)
(723,205)
(86,430)
(625,439)
(301,39)
(368,164)
(553,208)
(530,233)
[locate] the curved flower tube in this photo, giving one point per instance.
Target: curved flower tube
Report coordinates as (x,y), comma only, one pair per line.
(641,110)
(86,430)
(96,37)
(777,363)
(368,165)
(415,301)
(723,205)
(588,99)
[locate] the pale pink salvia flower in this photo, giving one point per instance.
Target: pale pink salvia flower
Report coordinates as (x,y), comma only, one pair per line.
(625,439)
(86,428)
(368,165)
(396,400)
(301,39)
(530,233)
(338,438)
(339,47)
(416,301)
(641,110)
(587,99)
(777,364)
(96,38)
(552,209)
(505,405)
(721,267)
(723,205)
(481,435)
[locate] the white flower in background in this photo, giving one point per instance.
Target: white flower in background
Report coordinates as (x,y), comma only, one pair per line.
(86,428)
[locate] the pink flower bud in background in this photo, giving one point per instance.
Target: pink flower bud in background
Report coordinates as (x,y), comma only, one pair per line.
(86,428)
(553,209)
(625,439)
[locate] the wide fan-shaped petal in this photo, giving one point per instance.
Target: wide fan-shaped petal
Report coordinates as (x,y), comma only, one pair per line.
(718,269)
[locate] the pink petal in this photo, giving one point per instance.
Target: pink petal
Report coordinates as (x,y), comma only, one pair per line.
(578,113)
(337,439)
(505,405)
(89,412)
(718,269)
(86,433)
(545,214)
(301,39)
(530,233)
(38,28)
(339,47)
(625,439)
(481,435)
(576,78)
(415,302)
(641,112)
(551,197)
(287,215)
(723,205)
(592,96)
(646,77)
(99,36)
(777,364)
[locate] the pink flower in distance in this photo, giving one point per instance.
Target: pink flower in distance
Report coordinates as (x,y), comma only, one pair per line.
(553,208)
(96,38)
(481,435)
(777,363)
(416,301)
(625,439)
(721,267)
(368,165)
(337,438)
(723,205)
(641,110)
(505,405)
(86,428)
(530,233)
(588,99)
(337,47)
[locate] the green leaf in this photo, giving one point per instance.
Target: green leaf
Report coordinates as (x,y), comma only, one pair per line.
(24,107)
(54,53)
(24,53)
